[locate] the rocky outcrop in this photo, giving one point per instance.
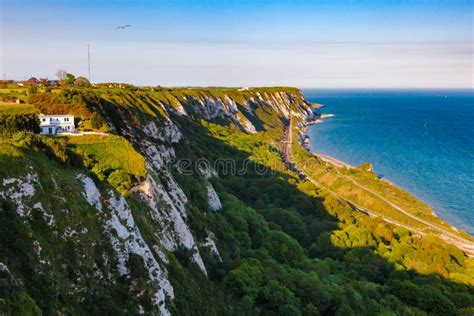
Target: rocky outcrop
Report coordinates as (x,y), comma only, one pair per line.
(169,132)
(280,102)
(238,107)
(210,243)
(214,201)
(158,196)
(167,207)
(20,191)
(211,108)
(126,238)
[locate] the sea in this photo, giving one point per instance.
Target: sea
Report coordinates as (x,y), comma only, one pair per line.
(420,140)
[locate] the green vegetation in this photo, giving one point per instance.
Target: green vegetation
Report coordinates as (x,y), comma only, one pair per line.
(286,246)
(109,158)
(11,123)
(82,82)
(70,79)
(74,245)
(22,108)
(96,121)
(289,248)
(347,183)
(33,90)
(66,101)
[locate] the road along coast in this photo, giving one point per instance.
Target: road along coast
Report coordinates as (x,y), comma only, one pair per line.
(462,243)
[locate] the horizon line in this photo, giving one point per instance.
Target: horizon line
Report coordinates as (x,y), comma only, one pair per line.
(266,86)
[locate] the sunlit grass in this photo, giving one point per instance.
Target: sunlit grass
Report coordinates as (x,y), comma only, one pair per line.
(9,108)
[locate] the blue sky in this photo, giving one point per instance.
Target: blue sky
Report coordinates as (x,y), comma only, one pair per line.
(243,43)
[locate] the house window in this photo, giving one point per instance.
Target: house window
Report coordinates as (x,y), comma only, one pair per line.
(44,120)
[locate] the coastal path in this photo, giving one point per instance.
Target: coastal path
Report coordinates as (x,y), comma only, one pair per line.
(462,243)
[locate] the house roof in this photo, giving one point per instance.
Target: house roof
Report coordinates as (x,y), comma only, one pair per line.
(54,115)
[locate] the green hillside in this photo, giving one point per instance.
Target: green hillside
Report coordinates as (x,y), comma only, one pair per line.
(128,223)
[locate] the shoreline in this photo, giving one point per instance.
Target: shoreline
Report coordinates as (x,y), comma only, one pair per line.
(305,142)
(449,234)
(334,161)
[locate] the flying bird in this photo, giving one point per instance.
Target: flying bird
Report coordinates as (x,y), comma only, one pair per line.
(122,27)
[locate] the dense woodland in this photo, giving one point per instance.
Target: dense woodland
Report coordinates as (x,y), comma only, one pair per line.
(286,246)
(290,249)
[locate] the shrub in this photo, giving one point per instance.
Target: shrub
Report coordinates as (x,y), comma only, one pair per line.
(52,147)
(8,98)
(12,123)
(96,121)
(136,266)
(32,90)
(121,181)
(70,78)
(82,82)
(64,103)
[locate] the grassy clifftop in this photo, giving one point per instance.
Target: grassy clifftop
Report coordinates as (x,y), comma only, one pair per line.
(111,158)
(277,244)
(243,107)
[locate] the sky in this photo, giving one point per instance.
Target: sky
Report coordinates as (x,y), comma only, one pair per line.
(307,44)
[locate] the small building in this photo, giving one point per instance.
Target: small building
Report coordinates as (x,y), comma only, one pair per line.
(33,81)
(55,124)
(53,83)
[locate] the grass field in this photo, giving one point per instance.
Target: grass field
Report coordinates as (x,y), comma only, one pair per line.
(110,158)
(8,108)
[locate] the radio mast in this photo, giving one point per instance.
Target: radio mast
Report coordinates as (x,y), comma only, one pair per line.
(89,61)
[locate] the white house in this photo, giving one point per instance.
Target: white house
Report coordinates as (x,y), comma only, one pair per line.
(54,124)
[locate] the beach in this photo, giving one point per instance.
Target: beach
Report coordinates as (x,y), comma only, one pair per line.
(334,161)
(305,140)
(400,133)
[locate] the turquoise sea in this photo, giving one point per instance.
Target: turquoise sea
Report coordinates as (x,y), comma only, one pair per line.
(421,140)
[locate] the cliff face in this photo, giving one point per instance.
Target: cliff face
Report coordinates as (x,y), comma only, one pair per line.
(239,107)
(79,233)
(186,208)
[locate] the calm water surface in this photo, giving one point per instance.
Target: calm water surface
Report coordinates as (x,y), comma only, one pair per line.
(422,140)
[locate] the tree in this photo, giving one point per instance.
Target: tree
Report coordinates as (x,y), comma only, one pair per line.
(32,90)
(61,74)
(11,123)
(282,247)
(96,121)
(240,283)
(278,299)
(70,78)
(82,82)
(290,222)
